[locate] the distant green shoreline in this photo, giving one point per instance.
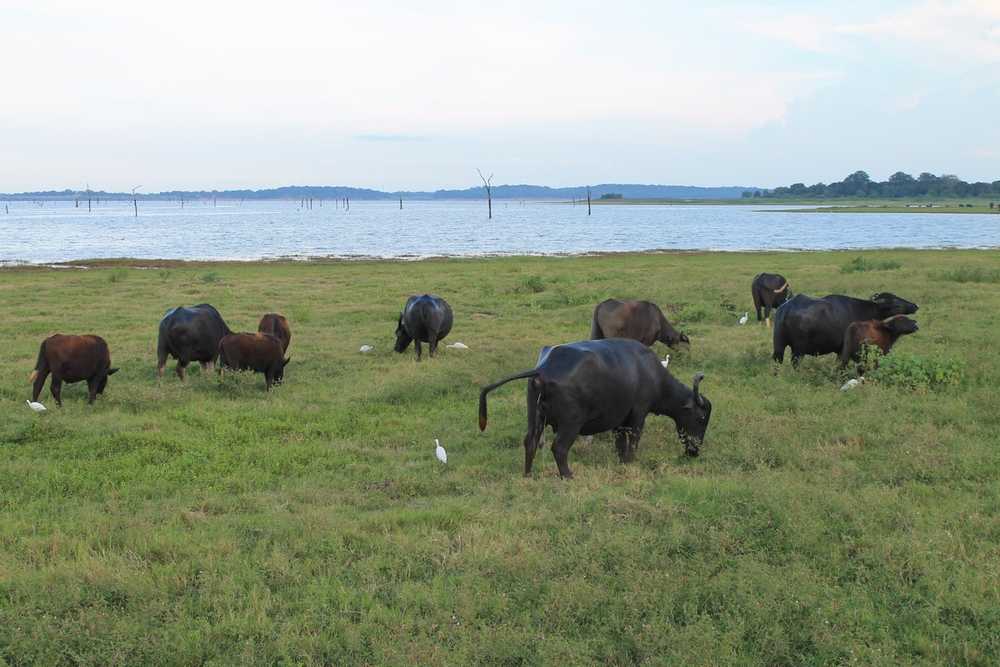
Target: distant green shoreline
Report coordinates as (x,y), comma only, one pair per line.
(969,205)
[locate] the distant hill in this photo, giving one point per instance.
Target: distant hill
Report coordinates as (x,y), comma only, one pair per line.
(627,190)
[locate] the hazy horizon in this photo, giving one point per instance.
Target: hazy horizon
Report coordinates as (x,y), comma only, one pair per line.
(215,96)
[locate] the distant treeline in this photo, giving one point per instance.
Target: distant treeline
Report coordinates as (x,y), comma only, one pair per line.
(900,184)
(331,192)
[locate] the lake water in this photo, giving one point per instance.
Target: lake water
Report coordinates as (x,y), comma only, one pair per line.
(57,232)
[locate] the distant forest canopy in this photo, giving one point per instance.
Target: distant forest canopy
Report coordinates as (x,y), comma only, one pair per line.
(328,192)
(900,184)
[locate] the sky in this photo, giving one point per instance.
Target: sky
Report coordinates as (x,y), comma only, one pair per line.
(418,95)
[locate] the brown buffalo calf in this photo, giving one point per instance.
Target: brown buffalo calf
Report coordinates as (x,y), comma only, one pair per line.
(277,326)
(259,352)
(883,333)
(72,359)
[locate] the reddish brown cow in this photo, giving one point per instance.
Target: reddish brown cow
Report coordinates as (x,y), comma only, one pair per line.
(72,359)
(883,333)
(639,320)
(277,326)
(259,352)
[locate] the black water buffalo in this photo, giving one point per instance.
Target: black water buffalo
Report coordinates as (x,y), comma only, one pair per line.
(425,319)
(72,359)
(595,386)
(259,352)
(639,320)
(277,326)
(769,290)
(190,334)
(817,326)
(882,333)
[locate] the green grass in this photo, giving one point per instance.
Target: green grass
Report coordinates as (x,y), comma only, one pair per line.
(860,264)
(210,522)
(971,274)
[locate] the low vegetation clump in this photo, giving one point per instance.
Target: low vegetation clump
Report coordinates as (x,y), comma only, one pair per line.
(911,371)
(971,274)
(210,522)
(861,264)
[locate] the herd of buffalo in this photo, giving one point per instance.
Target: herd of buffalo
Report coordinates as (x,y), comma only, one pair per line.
(611,382)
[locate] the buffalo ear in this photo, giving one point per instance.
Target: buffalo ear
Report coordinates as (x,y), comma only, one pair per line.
(112,371)
(698,377)
(685,339)
(285,362)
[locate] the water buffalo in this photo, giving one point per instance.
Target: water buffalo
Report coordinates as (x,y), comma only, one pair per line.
(769,290)
(595,386)
(425,319)
(639,320)
(72,359)
(816,326)
(259,352)
(190,334)
(277,326)
(883,333)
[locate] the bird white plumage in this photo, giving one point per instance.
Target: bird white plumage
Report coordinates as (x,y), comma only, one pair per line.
(666,361)
(366,348)
(439,452)
(745,318)
(457,346)
(37,407)
(852,383)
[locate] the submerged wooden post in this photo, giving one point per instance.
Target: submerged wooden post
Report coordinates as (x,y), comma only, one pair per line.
(401,204)
(588,200)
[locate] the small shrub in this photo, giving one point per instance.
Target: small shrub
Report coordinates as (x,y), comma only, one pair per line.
(693,312)
(971,274)
(860,264)
(117,276)
(914,372)
(534,284)
(211,277)
(163,274)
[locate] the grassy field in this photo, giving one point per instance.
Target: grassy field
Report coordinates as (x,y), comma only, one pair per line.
(211,523)
(846,205)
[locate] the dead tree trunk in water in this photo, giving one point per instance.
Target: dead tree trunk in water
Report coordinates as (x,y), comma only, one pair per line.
(488,185)
(401,204)
(588,200)
(135,202)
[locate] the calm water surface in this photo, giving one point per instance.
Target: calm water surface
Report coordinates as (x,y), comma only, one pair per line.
(56,232)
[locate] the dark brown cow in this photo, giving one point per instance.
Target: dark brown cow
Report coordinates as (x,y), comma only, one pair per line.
(639,320)
(72,359)
(769,290)
(259,352)
(883,333)
(277,326)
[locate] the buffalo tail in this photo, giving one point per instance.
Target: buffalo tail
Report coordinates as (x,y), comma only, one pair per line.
(487,389)
(39,364)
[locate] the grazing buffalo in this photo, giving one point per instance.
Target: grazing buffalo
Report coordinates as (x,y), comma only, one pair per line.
(817,326)
(259,352)
(190,334)
(72,359)
(639,320)
(883,333)
(595,386)
(769,290)
(277,326)
(425,319)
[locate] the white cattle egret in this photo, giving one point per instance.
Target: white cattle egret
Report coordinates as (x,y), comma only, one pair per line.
(37,407)
(457,346)
(745,318)
(666,361)
(852,383)
(367,348)
(439,452)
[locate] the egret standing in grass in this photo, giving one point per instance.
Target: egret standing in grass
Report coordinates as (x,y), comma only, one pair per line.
(745,318)
(439,452)
(36,406)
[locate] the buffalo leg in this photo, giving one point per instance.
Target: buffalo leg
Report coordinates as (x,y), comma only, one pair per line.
(560,450)
(418,347)
(91,390)
(433,343)
(207,366)
(621,444)
(268,380)
(767,315)
(536,428)
(56,389)
(39,383)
